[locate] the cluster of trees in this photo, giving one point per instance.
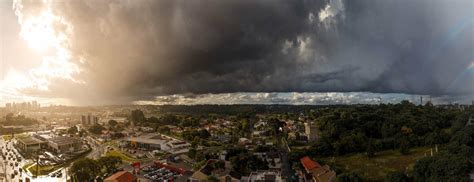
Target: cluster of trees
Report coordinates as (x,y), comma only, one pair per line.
(12,120)
(74,131)
(370,129)
(96,129)
(138,117)
(374,128)
(191,135)
(452,163)
(88,169)
(244,162)
(116,127)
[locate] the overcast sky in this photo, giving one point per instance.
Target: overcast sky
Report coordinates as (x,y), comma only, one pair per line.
(143,51)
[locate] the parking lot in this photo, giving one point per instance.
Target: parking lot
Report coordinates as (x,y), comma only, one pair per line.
(156,173)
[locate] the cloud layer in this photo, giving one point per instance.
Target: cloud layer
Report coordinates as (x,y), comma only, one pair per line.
(296,98)
(136,50)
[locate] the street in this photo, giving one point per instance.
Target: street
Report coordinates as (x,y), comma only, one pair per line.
(10,165)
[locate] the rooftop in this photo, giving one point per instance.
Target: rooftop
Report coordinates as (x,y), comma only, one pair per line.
(149,139)
(29,140)
(121,176)
(265,176)
(62,140)
(309,164)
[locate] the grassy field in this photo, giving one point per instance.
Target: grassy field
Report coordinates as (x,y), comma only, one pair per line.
(122,156)
(42,170)
(375,168)
(9,137)
(26,166)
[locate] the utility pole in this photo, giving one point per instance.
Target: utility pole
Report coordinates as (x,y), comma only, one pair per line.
(37,163)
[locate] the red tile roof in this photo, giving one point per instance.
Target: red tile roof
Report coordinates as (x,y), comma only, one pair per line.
(122,176)
(309,164)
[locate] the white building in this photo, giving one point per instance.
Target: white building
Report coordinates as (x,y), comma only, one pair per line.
(158,142)
(311,131)
(265,175)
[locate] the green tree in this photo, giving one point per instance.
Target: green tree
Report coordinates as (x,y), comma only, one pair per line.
(169,119)
(349,177)
(112,123)
(370,149)
(397,176)
(192,153)
(404,146)
(85,169)
(72,130)
(96,129)
(109,164)
(212,178)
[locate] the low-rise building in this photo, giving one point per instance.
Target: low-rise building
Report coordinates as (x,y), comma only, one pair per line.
(30,143)
(158,142)
(265,176)
(149,142)
(272,158)
(121,176)
(62,144)
(217,168)
(316,172)
(311,131)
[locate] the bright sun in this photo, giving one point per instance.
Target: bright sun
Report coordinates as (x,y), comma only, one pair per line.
(39,32)
(43,30)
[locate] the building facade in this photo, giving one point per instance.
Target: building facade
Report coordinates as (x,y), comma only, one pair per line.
(30,144)
(89,119)
(64,144)
(311,131)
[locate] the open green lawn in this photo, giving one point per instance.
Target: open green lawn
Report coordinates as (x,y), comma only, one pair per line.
(42,170)
(26,166)
(375,168)
(7,137)
(122,156)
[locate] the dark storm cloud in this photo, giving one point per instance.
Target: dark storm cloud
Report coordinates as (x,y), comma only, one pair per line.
(140,49)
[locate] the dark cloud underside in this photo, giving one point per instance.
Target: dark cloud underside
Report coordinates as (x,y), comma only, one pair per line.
(139,49)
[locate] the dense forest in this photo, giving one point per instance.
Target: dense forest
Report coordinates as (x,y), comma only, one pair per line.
(370,129)
(20,120)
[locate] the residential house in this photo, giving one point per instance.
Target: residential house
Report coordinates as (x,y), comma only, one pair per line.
(316,172)
(121,176)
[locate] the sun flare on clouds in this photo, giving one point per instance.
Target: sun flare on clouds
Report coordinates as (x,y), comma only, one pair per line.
(48,34)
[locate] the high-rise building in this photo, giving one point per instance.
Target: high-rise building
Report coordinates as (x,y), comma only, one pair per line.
(89,119)
(83,120)
(311,131)
(33,105)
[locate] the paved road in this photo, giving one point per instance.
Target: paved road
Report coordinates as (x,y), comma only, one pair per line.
(286,164)
(97,149)
(23,175)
